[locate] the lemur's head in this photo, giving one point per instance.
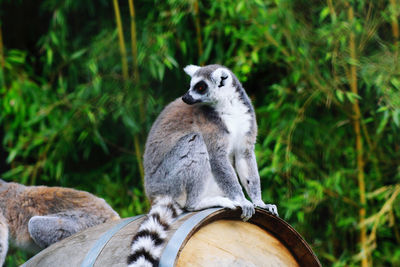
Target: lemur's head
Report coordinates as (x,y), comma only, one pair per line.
(209,84)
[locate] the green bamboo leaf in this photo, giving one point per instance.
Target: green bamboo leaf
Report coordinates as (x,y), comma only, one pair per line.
(339,95)
(59,170)
(395,82)
(352,96)
(324,13)
(78,54)
(101,142)
(254,56)
(12,155)
(382,109)
(49,56)
(396,116)
(383,122)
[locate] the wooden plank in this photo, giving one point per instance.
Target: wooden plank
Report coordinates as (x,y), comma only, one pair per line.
(234,243)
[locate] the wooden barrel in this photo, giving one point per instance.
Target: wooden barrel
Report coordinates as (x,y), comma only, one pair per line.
(212,237)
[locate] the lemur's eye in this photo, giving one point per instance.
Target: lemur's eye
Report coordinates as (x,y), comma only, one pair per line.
(200,87)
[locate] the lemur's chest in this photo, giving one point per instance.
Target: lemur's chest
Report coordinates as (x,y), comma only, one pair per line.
(237,120)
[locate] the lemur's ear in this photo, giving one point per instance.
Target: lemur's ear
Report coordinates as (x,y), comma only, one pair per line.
(191,69)
(221,77)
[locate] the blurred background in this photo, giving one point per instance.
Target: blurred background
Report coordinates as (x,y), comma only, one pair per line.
(82,81)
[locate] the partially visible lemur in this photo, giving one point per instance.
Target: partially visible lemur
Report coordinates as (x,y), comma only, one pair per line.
(191,155)
(34,217)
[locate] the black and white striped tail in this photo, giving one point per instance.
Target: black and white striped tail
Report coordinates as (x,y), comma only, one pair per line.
(147,244)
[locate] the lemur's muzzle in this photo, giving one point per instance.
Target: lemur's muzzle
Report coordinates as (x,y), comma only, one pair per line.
(188,99)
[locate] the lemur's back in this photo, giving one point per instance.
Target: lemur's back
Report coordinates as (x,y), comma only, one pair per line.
(40,200)
(175,121)
(19,204)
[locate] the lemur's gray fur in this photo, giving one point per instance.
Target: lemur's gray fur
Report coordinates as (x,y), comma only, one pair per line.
(34,217)
(191,155)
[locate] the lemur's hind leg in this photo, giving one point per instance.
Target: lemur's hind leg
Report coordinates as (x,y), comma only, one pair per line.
(3,239)
(46,230)
(194,167)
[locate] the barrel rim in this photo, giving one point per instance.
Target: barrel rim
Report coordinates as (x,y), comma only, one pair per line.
(276,226)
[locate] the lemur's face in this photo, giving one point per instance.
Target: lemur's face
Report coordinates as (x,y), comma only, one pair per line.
(209,84)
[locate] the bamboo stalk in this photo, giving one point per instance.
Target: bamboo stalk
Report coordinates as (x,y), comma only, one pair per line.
(395,29)
(134,41)
(136,77)
(332,10)
(395,226)
(121,41)
(395,23)
(198,30)
(125,74)
(359,145)
(135,64)
(386,208)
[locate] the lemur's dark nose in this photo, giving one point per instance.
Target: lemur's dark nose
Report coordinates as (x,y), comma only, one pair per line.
(188,99)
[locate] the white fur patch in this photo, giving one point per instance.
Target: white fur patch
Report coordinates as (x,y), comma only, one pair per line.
(234,114)
(211,188)
(164,212)
(141,262)
(163,200)
(221,73)
(217,201)
(243,171)
(191,69)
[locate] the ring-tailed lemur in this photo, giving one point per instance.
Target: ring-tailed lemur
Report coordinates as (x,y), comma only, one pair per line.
(34,217)
(191,154)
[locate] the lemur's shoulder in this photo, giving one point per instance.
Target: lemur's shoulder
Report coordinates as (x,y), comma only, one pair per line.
(181,117)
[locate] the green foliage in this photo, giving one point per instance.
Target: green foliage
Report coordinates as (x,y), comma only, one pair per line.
(68,117)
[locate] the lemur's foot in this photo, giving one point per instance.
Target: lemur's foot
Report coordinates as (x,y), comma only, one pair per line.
(247,209)
(271,208)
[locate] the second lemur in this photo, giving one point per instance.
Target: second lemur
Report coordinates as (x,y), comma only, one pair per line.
(34,217)
(194,151)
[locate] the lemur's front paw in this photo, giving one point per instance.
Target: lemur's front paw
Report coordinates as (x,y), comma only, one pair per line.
(268,207)
(227,203)
(247,209)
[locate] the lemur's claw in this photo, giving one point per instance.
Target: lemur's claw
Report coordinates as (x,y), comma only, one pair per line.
(247,210)
(271,208)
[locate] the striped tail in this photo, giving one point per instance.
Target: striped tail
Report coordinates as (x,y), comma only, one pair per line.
(147,244)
